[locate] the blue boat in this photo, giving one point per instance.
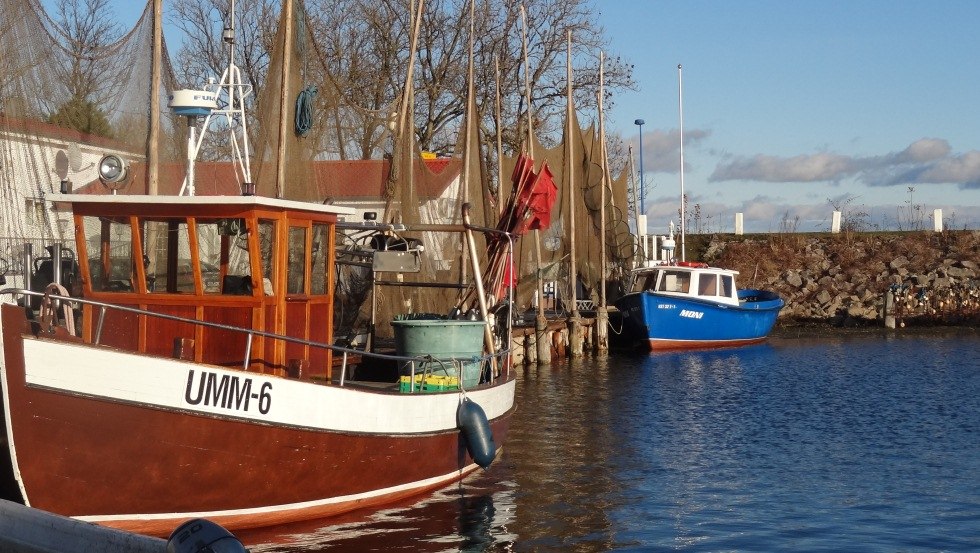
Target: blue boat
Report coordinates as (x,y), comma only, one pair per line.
(692,305)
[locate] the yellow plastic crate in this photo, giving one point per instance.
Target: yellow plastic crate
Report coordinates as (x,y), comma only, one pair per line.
(437,383)
(405,383)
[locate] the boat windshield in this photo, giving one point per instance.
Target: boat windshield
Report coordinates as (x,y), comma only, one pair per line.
(707,284)
(674,281)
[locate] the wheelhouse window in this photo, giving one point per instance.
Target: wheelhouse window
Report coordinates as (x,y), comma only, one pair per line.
(645,282)
(110,253)
(674,281)
(296,261)
(213,236)
(167,257)
(318,270)
(223,244)
(267,250)
(727,286)
(708,284)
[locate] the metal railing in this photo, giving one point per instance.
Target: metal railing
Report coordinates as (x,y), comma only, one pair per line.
(250,334)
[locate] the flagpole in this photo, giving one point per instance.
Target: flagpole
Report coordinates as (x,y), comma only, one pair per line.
(680,110)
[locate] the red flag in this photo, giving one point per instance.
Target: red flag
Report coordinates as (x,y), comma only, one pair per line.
(536,202)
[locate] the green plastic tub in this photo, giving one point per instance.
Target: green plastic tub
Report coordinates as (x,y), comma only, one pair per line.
(442,339)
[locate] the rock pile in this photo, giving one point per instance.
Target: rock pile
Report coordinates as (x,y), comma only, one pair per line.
(843,279)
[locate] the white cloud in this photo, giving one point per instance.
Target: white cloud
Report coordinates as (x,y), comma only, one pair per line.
(963,169)
(926,149)
(804,168)
(661,149)
(925,161)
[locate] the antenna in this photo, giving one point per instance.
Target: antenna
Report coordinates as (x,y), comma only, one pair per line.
(61,163)
(229,101)
(75,157)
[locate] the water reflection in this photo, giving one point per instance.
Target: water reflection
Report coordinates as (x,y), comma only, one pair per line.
(465,517)
(563,451)
(811,443)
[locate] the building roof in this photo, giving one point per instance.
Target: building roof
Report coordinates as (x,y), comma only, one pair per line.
(359,180)
(35,127)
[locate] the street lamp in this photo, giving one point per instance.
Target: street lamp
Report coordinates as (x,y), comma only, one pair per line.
(639,123)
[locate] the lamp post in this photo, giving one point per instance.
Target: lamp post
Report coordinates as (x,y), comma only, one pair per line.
(639,123)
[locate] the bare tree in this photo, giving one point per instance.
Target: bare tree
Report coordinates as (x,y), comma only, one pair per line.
(85,72)
(203,54)
(87,31)
(361,47)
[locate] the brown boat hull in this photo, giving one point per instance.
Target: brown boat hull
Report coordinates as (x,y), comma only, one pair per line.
(122,458)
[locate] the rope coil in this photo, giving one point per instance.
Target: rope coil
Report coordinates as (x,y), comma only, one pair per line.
(304,110)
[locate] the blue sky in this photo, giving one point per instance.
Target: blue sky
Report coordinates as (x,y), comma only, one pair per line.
(789,103)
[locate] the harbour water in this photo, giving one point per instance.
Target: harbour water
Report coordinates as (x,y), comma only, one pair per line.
(865,442)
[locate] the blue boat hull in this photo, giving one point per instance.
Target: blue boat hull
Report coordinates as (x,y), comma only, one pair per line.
(671,322)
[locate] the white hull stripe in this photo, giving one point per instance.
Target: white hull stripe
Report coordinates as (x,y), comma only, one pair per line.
(173,384)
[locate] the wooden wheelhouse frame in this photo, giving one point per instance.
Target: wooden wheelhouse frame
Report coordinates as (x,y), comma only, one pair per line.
(283,292)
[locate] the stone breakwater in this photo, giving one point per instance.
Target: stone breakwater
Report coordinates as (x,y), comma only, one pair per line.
(845,279)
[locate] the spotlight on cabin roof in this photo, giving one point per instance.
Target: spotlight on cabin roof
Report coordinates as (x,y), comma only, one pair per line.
(113,171)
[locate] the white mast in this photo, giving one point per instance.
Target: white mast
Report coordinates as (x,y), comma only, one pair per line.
(680,110)
(230,96)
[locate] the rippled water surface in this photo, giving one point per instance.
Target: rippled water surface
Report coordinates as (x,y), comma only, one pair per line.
(864,442)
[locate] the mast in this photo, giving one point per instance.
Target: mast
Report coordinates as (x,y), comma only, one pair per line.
(574,322)
(680,111)
(153,138)
(287,8)
(230,95)
(540,321)
(501,197)
(602,316)
(468,145)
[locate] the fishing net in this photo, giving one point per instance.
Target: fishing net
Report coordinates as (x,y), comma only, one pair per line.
(583,170)
(359,144)
(64,103)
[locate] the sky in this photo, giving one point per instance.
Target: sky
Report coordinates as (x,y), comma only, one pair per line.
(791,108)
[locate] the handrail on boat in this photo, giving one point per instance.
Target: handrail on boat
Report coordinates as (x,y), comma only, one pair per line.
(250,334)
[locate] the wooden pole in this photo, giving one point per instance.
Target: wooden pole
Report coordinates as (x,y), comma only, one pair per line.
(481,294)
(284,94)
(602,315)
(468,147)
(540,321)
(575,321)
(153,137)
(501,196)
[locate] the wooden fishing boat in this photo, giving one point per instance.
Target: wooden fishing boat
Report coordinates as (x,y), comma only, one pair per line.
(202,380)
(691,305)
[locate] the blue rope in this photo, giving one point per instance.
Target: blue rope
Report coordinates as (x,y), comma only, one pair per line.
(304,110)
